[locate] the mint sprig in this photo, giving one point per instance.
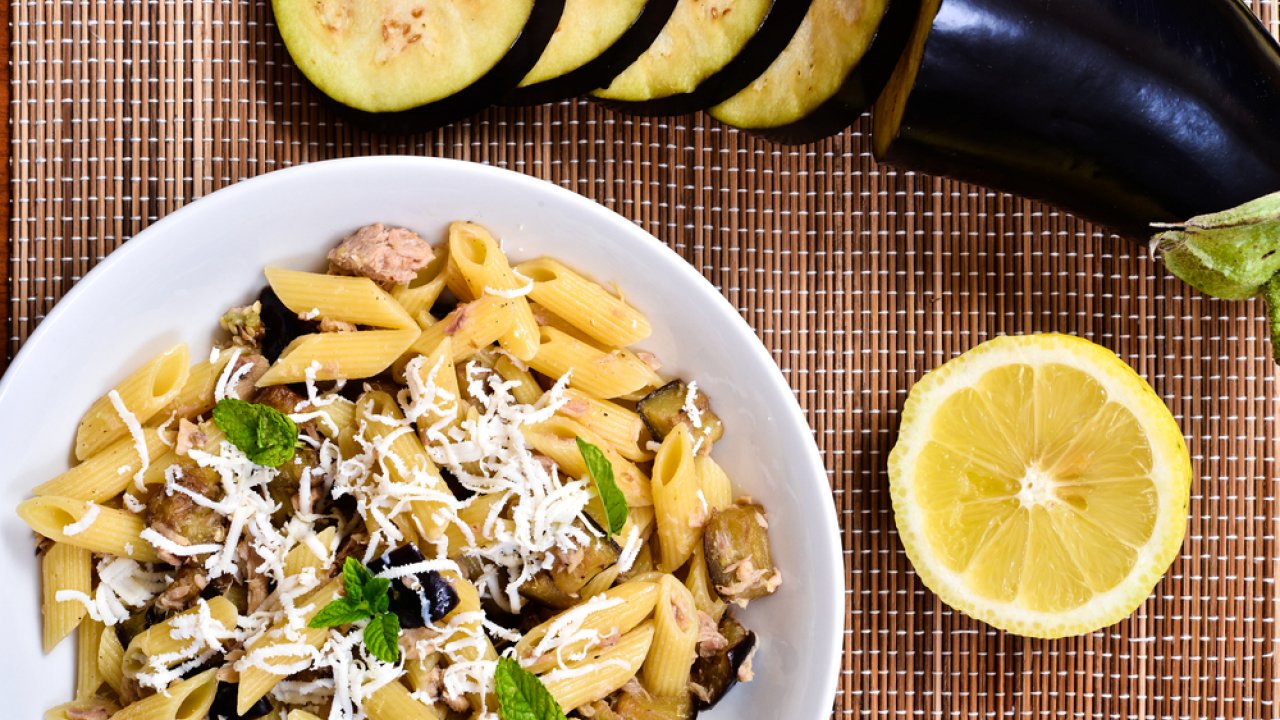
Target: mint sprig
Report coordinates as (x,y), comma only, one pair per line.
(367,598)
(521,695)
(601,471)
(265,435)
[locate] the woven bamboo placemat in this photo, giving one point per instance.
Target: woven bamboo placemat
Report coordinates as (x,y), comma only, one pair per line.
(857,277)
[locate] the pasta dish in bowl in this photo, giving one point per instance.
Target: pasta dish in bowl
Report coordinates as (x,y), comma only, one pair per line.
(447,477)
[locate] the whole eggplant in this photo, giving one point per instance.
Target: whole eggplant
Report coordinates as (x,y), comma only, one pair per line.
(1126,112)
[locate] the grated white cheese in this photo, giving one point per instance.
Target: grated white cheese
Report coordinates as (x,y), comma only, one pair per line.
(122,584)
(311,314)
(314,398)
(135,431)
(513,293)
(691,405)
(206,635)
(630,550)
(567,630)
(224,379)
(85,521)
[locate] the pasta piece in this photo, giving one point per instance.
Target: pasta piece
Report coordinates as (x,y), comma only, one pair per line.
(301,715)
(585,304)
(717,492)
(615,613)
(675,640)
(603,673)
(675,499)
(604,374)
(196,396)
(601,582)
(157,472)
(156,649)
(142,394)
(79,708)
(526,390)
(394,702)
(418,295)
(255,682)
(111,661)
(484,268)
(436,380)
(700,586)
(401,452)
(113,532)
(355,300)
(107,473)
(421,673)
(303,557)
(88,677)
(339,355)
(471,326)
(63,567)
(619,428)
(185,700)
(557,439)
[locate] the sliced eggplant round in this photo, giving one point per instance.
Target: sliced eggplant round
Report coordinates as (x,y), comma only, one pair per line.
(707,52)
(415,64)
(830,72)
(592,44)
(1123,112)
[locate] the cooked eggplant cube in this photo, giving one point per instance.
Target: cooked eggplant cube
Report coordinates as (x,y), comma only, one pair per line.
(224,705)
(736,542)
(669,406)
(418,599)
(558,586)
(713,675)
(634,706)
(280,325)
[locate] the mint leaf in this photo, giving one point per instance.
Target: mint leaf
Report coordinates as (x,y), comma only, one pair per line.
(521,695)
(375,593)
(265,435)
(382,637)
(354,577)
(601,470)
(342,611)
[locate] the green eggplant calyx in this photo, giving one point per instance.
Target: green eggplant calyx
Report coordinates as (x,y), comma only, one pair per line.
(1229,255)
(1272,295)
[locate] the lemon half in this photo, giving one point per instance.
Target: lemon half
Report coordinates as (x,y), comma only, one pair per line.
(1039,485)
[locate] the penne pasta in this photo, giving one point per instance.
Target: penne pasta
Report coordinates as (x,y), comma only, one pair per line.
(617,427)
(108,472)
(338,355)
(675,639)
(717,492)
(89,678)
(675,499)
(139,396)
(111,661)
(156,649)
(417,296)
(434,379)
(355,300)
(584,304)
(698,580)
(394,702)
(113,532)
(77,709)
(601,674)
(526,390)
(557,439)
(603,373)
(255,681)
(485,270)
(185,700)
(611,614)
(397,446)
(471,327)
(196,396)
(63,567)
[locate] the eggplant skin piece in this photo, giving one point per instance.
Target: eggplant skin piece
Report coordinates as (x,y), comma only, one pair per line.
(604,67)
(773,33)
(1125,112)
(312,44)
(833,69)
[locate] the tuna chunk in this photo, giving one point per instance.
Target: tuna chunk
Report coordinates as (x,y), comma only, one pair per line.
(386,255)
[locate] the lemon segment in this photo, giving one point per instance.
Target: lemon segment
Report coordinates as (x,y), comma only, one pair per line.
(1040,485)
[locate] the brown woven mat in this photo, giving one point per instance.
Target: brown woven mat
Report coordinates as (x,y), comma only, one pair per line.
(858,278)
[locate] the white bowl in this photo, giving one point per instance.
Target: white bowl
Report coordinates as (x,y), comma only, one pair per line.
(172,281)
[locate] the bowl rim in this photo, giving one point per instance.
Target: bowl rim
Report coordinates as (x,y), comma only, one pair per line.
(152,234)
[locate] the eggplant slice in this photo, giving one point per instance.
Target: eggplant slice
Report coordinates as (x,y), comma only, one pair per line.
(415,64)
(1123,112)
(707,52)
(592,44)
(832,70)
